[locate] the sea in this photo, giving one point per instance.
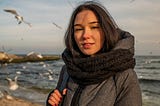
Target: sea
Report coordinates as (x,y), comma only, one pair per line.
(37,79)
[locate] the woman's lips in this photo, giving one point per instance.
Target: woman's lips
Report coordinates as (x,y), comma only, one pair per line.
(87,45)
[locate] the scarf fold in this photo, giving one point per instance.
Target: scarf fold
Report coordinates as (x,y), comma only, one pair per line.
(92,70)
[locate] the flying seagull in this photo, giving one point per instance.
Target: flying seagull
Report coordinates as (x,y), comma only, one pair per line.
(57,25)
(132,1)
(12,83)
(5,94)
(18,17)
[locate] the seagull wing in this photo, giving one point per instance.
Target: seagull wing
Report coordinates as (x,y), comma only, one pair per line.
(11,11)
(27,23)
(57,25)
(15,78)
(10,80)
(132,1)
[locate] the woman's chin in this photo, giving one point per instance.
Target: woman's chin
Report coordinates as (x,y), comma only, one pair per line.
(88,52)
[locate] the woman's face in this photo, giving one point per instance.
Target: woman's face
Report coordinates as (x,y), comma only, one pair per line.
(88,33)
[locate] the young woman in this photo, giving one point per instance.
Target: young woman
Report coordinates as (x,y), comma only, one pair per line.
(99,62)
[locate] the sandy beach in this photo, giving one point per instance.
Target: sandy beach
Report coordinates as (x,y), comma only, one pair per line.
(16,102)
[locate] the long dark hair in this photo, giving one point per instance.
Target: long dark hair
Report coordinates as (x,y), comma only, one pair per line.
(108,25)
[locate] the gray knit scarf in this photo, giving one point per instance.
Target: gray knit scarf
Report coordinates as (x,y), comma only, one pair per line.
(91,70)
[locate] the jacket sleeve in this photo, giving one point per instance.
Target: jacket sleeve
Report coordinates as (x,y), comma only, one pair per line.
(61,77)
(58,85)
(128,89)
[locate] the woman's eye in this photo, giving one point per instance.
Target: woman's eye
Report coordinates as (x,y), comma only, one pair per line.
(95,27)
(78,29)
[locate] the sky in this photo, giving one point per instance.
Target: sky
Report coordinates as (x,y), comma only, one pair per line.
(139,17)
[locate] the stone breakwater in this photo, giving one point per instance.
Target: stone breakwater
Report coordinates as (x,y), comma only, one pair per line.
(31,57)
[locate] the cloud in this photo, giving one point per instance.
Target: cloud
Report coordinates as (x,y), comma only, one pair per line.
(140,17)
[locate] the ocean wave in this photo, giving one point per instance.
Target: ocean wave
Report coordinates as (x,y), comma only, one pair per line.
(143,67)
(144,80)
(158,61)
(149,92)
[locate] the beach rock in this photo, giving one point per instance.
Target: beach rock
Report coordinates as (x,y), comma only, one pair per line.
(3,56)
(8,58)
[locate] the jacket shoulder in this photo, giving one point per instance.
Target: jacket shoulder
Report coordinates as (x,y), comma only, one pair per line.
(126,77)
(128,89)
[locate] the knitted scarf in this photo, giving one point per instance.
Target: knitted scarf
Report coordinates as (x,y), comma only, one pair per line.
(95,69)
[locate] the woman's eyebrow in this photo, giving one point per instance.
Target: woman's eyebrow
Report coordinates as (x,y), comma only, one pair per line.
(77,25)
(94,22)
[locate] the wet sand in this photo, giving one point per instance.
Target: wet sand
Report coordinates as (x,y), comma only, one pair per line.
(16,102)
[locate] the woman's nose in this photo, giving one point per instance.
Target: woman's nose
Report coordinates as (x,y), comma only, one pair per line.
(87,33)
